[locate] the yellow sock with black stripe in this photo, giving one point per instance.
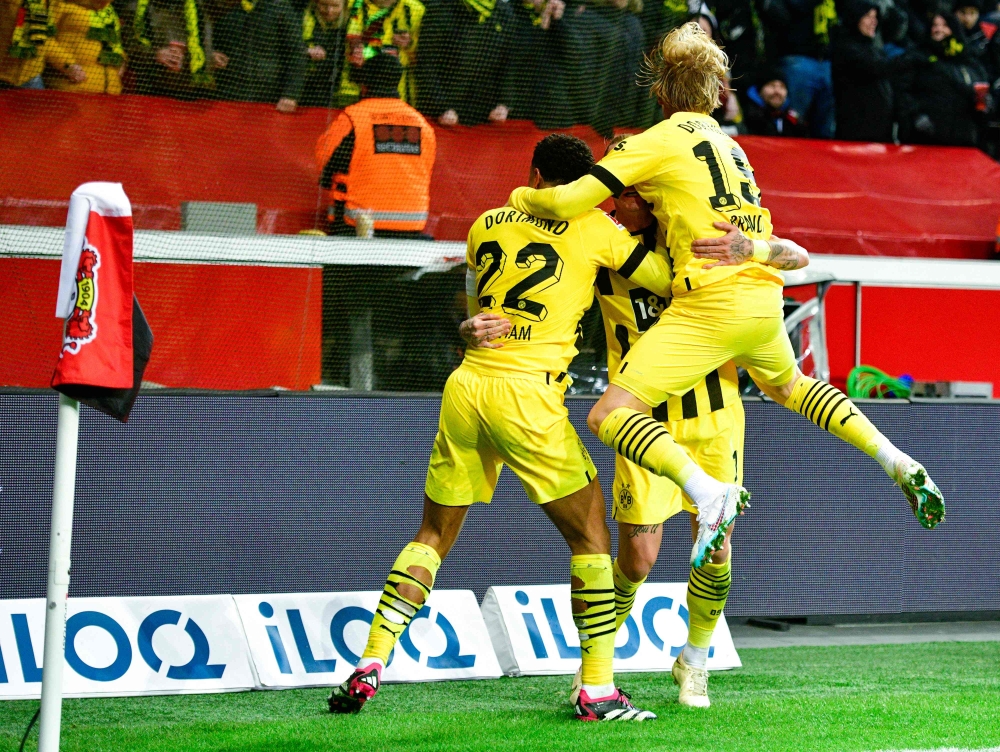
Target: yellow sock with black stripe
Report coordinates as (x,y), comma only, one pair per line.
(592,590)
(708,589)
(625,591)
(396,609)
(830,409)
(643,440)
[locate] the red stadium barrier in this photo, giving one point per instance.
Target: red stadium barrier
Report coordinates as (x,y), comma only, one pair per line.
(932,334)
(258,326)
(834,197)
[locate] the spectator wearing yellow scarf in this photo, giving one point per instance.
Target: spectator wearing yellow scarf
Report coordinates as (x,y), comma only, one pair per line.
(377,24)
(323,25)
(25,28)
(169,48)
(86,53)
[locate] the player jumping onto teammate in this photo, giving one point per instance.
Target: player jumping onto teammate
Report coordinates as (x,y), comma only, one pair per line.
(708,423)
(505,406)
(694,175)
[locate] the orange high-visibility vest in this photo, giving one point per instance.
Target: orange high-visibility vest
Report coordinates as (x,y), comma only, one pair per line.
(390,171)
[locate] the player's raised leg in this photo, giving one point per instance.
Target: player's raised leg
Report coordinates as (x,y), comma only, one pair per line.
(406,590)
(580,517)
(833,411)
(623,422)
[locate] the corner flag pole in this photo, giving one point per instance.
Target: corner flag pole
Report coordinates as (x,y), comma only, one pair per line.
(57,590)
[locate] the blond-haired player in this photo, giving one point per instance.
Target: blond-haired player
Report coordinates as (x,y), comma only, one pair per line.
(707,422)
(504,406)
(727,308)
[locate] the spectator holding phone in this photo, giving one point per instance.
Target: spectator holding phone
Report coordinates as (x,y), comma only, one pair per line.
(170,51)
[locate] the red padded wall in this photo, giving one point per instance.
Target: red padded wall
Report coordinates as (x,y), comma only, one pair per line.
(932,335)
(215,326)
(834,197)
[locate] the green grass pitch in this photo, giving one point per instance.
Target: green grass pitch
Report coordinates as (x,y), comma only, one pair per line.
(887,697)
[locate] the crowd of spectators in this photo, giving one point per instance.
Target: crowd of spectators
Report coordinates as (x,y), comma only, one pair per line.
(911,71)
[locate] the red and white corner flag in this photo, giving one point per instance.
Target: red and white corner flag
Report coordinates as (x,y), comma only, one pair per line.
(106,340)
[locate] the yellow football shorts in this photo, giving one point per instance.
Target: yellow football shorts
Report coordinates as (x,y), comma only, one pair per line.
(489,421)
(737,319)
(714,441)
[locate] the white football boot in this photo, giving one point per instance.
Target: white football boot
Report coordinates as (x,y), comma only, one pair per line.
(714,520)
(926,499)
(693,683)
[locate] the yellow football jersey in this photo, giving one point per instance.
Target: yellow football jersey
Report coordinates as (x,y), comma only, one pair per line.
(693,174)
(540,274)
(628,310)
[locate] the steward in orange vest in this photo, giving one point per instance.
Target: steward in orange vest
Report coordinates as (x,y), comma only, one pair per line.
(376,158)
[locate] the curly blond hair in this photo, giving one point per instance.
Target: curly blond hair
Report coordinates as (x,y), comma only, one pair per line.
(687,70)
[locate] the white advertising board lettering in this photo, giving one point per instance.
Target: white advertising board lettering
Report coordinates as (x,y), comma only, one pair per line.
(533,632)
(128,646)
(315,639)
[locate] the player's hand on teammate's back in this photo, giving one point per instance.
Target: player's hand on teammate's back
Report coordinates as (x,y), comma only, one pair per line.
(731,249)
(483,328)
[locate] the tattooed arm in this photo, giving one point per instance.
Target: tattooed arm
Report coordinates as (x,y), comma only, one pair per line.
(786,255)
(736,248)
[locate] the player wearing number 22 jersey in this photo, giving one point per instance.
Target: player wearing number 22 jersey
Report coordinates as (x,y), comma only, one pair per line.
(540,275)
(505,406)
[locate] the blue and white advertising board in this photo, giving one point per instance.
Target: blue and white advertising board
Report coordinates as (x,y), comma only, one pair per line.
(533,632)
(315,639)
(128,646)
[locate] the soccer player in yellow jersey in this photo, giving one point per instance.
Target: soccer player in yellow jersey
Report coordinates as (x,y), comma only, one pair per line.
(694,175)
(708,423)
(504,405)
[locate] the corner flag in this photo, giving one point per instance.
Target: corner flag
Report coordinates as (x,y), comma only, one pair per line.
(106,339)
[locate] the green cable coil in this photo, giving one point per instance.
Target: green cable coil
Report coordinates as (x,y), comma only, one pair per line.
(869,382)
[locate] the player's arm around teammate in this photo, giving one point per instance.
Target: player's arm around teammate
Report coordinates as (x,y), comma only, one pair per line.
(735,248)
(504,406)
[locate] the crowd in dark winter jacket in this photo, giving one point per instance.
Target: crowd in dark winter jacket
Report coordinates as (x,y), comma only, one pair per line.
(909,71)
